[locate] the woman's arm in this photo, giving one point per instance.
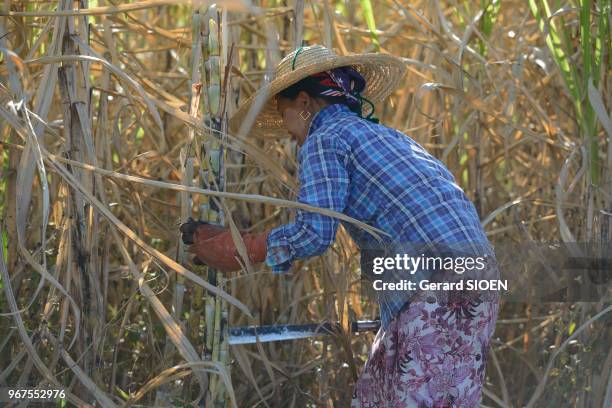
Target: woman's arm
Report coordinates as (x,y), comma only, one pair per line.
(324,183)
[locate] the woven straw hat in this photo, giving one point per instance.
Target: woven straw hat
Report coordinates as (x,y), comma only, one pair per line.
(382,72)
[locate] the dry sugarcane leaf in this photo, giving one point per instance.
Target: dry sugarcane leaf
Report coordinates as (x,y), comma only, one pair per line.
(255,198)
(100,396)
(170,325)
(171,373)
(247,369)
(130,234)
(27,341)
(118,72)
(93,11)
(596,102)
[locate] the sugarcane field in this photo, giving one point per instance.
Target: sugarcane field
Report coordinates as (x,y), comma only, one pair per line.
(288,203)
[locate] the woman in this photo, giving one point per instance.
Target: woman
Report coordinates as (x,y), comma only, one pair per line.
(430,350)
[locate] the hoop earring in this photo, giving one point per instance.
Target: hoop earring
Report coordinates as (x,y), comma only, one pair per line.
(305,115)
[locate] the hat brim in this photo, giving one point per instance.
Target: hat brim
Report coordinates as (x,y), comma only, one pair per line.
(383,74)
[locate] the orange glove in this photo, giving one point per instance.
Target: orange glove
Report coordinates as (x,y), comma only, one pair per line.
(205,230)
(214,246)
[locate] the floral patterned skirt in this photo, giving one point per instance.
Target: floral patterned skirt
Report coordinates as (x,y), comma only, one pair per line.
(431,355)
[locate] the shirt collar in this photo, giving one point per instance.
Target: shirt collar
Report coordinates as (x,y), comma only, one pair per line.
(324,115)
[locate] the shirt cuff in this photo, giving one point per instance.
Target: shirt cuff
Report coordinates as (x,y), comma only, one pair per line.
(279,255)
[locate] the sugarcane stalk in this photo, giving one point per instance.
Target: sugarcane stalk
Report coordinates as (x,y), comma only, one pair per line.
(214,385)
(212,174)
(179,287)
(194,107)
(187,163)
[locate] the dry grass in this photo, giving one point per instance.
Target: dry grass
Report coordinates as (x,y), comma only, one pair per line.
(101,122)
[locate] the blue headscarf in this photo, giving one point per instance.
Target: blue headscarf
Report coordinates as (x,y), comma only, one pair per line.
(344,83)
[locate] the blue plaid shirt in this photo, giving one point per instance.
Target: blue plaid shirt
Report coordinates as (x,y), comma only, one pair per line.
(377,175)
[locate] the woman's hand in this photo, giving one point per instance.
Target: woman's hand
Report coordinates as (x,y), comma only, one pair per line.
(203,230)
(214,245)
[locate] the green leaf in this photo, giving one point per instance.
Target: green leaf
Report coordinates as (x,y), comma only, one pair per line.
(368,13)
(553,41)
(122,393)
(489,17)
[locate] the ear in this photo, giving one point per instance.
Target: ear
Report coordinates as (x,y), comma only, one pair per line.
(303,99)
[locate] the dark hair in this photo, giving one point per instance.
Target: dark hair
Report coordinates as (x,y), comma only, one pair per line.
(311,86)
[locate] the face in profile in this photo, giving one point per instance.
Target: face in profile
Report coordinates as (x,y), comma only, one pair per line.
(290,110)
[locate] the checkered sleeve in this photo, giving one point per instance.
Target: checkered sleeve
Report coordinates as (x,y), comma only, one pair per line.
(324,183)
